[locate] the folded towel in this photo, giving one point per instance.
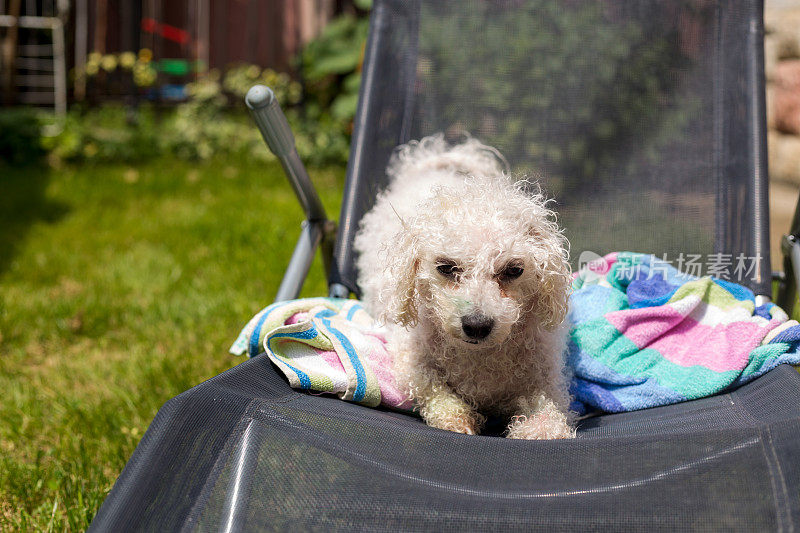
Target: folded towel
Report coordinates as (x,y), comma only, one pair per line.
(325,345)
(643,335)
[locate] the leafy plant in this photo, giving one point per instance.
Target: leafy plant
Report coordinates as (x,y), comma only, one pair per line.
(105,134)
(212,121)
(240,78)
(331,66)
(20,136)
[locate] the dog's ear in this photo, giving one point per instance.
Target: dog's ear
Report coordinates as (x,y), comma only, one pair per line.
(548,250)
(401,268)
(553,293)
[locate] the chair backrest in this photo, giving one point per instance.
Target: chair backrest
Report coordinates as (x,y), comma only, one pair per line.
(644,119)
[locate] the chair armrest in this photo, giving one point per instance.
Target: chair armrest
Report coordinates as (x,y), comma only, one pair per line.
(790,248)
(317,229)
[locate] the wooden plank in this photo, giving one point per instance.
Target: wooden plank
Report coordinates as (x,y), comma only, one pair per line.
(236,34)
(81,44)
(100,25)
(203,32)
(60,74)
(37,97)
(35,50)
(218,44)
(35,80)
(43,23)
(251,32)
(8,54)
(35,64)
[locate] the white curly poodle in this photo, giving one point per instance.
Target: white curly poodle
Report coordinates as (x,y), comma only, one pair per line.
(469,271)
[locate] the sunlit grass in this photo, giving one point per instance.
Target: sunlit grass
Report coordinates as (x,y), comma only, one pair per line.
(120,287)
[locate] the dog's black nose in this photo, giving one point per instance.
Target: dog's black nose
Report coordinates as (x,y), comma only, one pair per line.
(477,326)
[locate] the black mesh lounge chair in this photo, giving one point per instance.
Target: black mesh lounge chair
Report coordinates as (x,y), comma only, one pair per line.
(646,119)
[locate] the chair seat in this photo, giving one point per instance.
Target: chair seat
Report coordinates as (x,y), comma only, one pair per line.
(243,451)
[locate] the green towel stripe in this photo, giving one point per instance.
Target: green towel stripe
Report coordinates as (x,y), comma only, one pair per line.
(606,344)
(712,294)
(762,356)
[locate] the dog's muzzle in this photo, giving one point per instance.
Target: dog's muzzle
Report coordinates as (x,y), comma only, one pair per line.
(477,326)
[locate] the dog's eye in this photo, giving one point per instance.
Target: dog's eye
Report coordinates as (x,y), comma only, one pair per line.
(448,270)
(512,272)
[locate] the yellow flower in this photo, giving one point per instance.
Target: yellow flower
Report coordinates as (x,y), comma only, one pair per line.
(90,150)
(109,62)
(270,78)
(127,60)
(145,55)
(143,75)
(94,57)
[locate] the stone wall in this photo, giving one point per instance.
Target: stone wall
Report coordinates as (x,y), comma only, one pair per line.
(782,64)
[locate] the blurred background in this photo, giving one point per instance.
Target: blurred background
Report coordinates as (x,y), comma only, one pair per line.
(143,221)
(126,80)
(123,63)
(782,66)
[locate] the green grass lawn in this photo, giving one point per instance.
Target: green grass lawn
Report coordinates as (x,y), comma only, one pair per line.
(120,287)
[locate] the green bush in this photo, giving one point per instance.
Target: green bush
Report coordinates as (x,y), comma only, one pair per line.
(20,136)
(105,134)
(211,122)
(331,66)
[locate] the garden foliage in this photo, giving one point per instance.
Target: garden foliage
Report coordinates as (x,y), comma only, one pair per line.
(585,108)
(212,120)
(20,135)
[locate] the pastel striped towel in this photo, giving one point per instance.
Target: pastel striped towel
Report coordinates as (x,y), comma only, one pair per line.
(325,345)
(645,334)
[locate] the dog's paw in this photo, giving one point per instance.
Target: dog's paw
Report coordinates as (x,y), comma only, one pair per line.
(456,424)
(540,426)
(445,410)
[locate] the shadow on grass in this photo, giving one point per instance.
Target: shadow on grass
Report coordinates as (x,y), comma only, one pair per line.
(22,204)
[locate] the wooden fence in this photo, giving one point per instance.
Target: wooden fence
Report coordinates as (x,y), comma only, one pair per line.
(219,32)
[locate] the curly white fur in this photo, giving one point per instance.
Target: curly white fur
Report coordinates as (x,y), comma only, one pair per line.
(455,206)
